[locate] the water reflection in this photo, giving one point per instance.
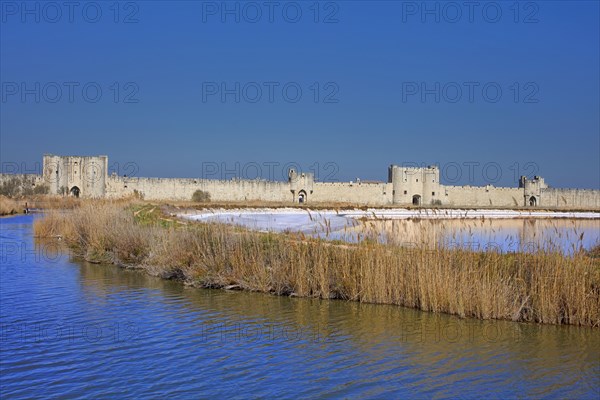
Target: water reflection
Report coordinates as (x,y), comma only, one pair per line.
(506,235)
(381,348)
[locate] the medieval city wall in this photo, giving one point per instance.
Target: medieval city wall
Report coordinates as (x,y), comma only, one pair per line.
(485,196)
(87,176)
(347,192)
(572,198)
(184,188)
(25,180)
(249,190)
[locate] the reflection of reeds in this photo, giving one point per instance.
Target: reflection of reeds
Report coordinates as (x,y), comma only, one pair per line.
(544,286)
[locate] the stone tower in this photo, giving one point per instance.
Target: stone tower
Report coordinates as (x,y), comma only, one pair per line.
(301,185)
(79,176)
(532,190)
(415,185)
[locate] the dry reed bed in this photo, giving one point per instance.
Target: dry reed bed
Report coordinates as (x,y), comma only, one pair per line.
(545,287)
(10,206)
(17,205)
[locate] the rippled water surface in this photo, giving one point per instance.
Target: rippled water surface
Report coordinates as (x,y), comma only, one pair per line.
(72,329)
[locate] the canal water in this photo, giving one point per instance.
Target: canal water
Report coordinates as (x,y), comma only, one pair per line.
(72,329)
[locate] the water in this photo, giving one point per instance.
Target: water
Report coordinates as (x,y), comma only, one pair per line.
(566,235)
(504,235)
(73,329)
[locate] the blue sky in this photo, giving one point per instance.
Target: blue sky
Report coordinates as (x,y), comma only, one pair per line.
(212,89)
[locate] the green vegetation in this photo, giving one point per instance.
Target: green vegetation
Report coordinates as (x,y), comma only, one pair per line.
(151,215)
(17,187)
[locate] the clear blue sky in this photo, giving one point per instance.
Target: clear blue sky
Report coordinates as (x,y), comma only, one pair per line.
(376,65)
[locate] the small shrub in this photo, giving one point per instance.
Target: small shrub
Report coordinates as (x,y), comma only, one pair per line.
(16,186)
(200,196)
(41,189)
(138,194)
(11,187)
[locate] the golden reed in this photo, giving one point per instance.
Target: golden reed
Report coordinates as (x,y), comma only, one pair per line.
(543,287)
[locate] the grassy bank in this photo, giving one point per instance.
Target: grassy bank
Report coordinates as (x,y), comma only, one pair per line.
(545,287)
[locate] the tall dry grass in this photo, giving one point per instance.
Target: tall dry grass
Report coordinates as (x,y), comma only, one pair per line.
(544,287)
(10,206)
(16,205)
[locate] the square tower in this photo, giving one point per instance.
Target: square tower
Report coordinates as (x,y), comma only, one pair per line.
(79,176)
(415,185)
